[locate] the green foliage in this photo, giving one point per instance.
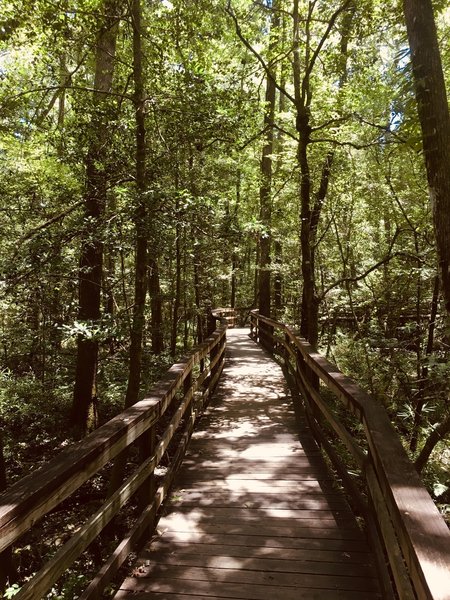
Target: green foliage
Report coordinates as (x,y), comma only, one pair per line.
(11,591)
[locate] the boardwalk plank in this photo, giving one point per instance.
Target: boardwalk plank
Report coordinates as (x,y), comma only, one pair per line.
(252,563)
(252,486)
(213,473)
(157,572)
(308,555)
(255,513)
(283,518)
(187,590)
(281,543)
(254,591)
(303,501)
(265,530)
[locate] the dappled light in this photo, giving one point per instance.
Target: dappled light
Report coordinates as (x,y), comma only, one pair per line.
(255,512)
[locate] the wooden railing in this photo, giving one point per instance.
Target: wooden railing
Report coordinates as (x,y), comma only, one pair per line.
(235,317)
(185,390)
(403,523)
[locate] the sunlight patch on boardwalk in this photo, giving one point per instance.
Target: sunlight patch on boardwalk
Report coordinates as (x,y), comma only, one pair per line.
(255,513)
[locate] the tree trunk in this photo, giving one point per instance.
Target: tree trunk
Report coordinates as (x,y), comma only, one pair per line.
(140,217)
(310,215)
(423,379)
(91,256)
(178,266)
(309,325)
(234,268)
(198,298)
(156,306)
(141,252)
(256,273)
(278,279)
(438,434)
(432,106)
(235,238)
(265,190)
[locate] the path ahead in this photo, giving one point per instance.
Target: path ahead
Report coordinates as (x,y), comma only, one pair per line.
(255,514)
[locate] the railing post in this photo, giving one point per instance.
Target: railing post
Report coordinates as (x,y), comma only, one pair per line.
(270,339)
(287,356)
(212,355)
(266,336)
(146,493)
(211,323)
(187,384)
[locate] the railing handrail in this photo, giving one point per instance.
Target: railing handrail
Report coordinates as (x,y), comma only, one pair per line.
(422,533)
(35,495)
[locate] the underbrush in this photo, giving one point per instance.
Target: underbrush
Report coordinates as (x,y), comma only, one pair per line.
(35,425)
(391,377)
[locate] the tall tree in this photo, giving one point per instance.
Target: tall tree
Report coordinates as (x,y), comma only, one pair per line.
(265,189)
(310,208)
(91,254)
(140,216)
(434,117)
(432,106)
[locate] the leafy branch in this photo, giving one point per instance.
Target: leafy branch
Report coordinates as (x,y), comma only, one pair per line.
(389,256)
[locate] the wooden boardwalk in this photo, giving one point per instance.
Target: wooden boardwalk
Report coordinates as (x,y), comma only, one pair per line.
(255,512)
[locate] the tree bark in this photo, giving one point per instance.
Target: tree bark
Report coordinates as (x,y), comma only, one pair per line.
(309,324)
(156,307)
(178,267)
(278,279)
(432,106)
(91,255)
(434,117)
(140,218)
(310,215)
(141,251)
(265,190)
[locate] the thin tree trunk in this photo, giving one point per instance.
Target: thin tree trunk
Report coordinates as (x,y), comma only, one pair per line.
(91,256)
(279,144)
(256,274)
(423,379)
(278,279)
(438,434)
(310,215)
(141,251)
(309,326)
(156,307)
(265,190)
(186,308)
(109,278)
(177,298)
(234,268)
(198,298)
(140,217)
(234,242)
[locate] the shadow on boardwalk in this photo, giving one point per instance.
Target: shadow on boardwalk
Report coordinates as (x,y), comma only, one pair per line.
(254,513)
